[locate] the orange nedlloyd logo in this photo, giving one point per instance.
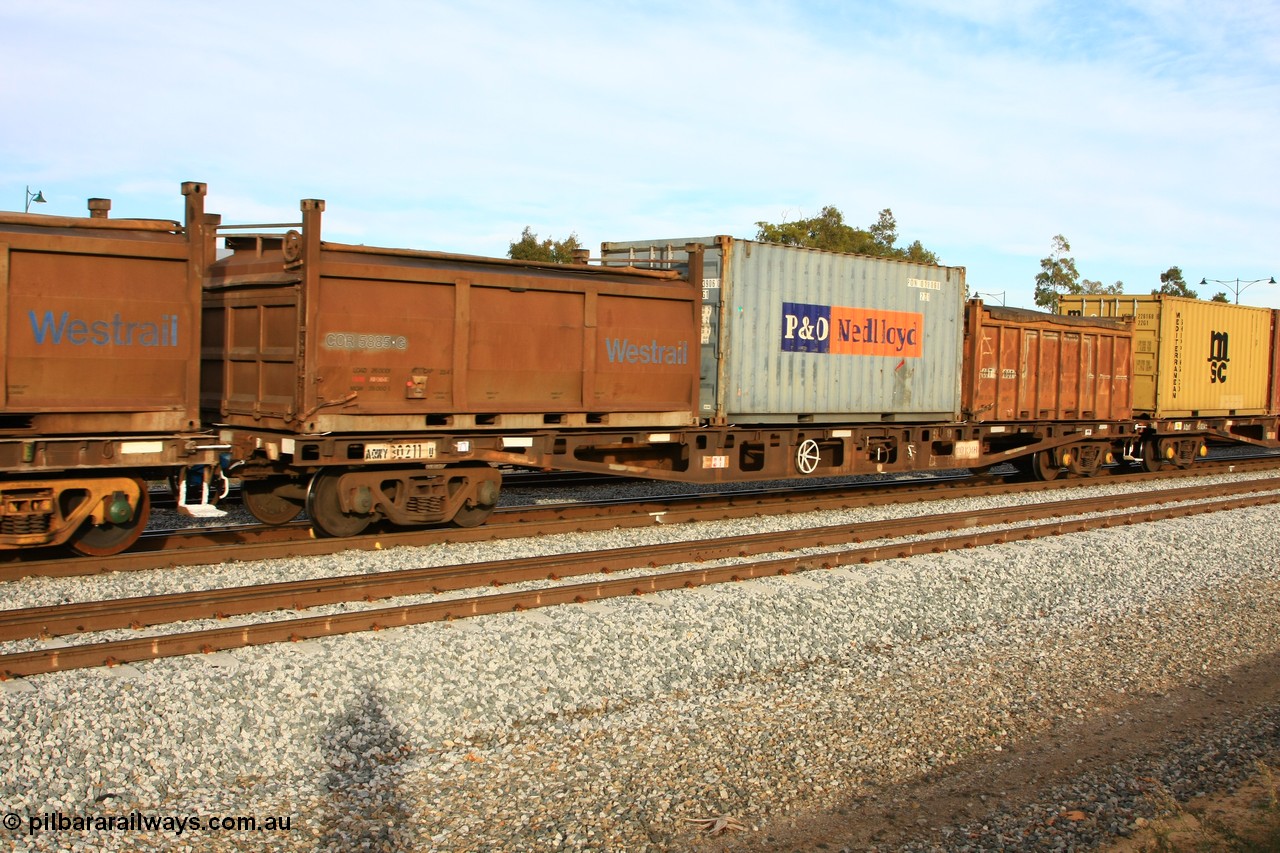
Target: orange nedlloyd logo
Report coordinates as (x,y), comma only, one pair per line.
(851,331)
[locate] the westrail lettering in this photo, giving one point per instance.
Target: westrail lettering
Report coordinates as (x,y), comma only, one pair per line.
(60,329)
(623,351)
(842,330)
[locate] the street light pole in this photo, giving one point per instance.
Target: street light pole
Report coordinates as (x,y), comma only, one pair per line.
(37,197)
(1237,285)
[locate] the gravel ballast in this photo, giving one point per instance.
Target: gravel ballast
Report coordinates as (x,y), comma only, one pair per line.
(612,726)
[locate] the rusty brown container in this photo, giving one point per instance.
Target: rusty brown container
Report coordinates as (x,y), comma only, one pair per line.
(1027,366)
(1192,358)
(101,330)
(311,337)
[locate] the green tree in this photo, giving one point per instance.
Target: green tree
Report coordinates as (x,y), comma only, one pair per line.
(916,253)
(884,232)
(1221,296)
(1097,287)
(1173,284)
(829,231)
(530,248)
(1057,275)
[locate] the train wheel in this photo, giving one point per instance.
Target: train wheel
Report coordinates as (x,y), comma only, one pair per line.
(104,540)
(1043,466)
(275,500)
(476,511)
(472,516)
(1151,459)
(325,509)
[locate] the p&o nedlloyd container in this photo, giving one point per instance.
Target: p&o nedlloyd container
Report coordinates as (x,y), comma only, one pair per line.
(797,335)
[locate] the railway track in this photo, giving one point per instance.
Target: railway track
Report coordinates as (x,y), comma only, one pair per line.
(206,545)
(751,556)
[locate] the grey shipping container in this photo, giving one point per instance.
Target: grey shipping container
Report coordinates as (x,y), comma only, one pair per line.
(795,335)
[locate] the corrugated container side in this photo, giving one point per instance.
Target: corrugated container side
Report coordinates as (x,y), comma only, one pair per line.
(401,340)
(101,329)
(795,335)
(1273,398)
(1192,358)
(1028,366)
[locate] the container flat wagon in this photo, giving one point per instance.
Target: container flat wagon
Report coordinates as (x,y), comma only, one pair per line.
(1202,371)
(1042,376)
(859,362)
(367,383)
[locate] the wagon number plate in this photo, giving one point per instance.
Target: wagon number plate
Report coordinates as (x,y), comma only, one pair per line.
(397,452)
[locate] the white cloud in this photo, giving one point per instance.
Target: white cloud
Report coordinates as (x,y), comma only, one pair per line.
(1146,132)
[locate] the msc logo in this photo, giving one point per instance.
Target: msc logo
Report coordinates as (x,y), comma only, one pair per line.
(1218,357)
(851,331)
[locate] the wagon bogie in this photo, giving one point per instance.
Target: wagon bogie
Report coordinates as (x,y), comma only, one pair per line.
(1159,452)
(97,515)
(344,502)
(1087,458)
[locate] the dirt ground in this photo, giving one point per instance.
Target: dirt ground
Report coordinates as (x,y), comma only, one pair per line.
(1247,820)
(1125,729)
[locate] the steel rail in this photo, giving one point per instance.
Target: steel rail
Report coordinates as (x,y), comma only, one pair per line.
(122,651)
(144,611)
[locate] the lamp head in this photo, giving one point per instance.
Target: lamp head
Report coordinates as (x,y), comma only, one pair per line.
(30,197)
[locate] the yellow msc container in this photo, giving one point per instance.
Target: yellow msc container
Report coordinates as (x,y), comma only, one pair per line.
(1191,358)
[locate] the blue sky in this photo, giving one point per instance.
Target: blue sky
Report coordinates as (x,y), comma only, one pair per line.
(1147,133)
